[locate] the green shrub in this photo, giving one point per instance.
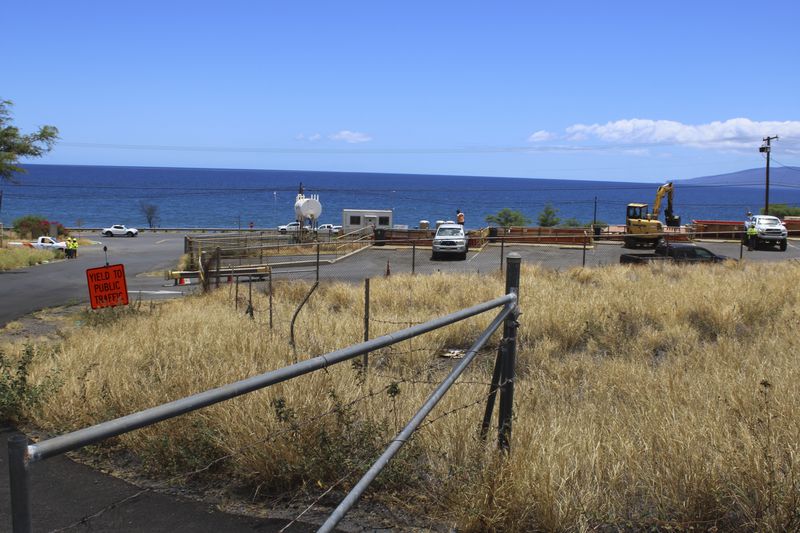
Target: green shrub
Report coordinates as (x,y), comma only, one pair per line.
(33,226)
(16,392)
(508,217)
(782,210)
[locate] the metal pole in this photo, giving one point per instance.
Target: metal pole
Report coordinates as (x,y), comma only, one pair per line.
(487,414)
(19,483)
(502,249)
(250,309)
(507,373)
(413,257)
(585,238)
(218,255)
(270,300)
(365,358)
(594,215)
(317,262)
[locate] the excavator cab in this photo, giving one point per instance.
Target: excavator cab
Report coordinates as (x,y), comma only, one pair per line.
(636,211)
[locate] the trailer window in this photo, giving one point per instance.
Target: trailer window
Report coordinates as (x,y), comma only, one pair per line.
(355,220)
(383,221)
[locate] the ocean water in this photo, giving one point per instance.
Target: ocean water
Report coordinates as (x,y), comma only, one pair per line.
(95,196)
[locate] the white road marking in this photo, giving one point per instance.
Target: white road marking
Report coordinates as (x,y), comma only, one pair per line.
(163,241)
(476,254)
(155,292)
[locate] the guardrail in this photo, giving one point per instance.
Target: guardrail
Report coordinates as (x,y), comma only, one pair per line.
(22,455)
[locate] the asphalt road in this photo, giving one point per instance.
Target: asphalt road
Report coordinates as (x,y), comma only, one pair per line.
(66,494)
(63,282)
(378,260)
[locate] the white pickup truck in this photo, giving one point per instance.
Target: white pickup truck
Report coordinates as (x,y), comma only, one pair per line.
(771,231)
(42,243)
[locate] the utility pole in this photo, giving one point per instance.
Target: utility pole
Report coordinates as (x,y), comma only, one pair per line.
(766,148)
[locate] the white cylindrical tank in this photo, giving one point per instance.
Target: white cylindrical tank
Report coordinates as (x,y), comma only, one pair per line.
(424,224)
(307,208)
(439,223)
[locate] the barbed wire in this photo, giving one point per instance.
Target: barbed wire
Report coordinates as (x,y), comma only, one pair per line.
(363,464)
(296,426)
(396,322)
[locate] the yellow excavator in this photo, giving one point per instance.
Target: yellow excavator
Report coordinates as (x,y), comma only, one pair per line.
(643,228)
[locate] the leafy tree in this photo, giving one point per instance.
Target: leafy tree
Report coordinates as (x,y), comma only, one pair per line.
(14,145)
(34,226)
(150,212)
(508,217)
(782,210)
(548,218)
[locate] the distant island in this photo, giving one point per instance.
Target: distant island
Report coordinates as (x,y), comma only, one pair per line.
(754,177)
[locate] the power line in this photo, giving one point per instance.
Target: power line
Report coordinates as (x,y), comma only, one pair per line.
(539,148)
(795,169)
(583,187)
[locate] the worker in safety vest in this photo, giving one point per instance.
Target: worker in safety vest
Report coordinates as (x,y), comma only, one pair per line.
(459,217)
(752,232)
(68,250)
(74,244)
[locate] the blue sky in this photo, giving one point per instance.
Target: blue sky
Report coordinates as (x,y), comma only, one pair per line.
(574,90)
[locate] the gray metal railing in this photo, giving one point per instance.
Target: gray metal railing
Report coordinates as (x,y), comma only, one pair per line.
(22,455)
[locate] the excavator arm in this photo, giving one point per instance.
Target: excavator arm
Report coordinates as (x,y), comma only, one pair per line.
(665,189)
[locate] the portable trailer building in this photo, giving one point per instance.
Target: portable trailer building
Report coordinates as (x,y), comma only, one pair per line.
(353,219)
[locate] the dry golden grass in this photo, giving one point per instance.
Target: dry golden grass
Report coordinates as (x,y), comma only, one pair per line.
(648,397)
(11,258)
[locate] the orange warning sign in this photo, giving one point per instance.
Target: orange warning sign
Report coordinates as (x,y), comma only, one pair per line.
(107,287)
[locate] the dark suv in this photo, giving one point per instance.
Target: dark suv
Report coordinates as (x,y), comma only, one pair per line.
(685,252)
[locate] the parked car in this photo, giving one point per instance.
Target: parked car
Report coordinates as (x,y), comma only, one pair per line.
(290,227)
(119,230)
(677,253)
(450,239)
(329,228)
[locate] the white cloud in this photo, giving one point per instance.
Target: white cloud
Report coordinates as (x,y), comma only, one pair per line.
(736,133)
(350,137)
(313,137)
(541,135)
